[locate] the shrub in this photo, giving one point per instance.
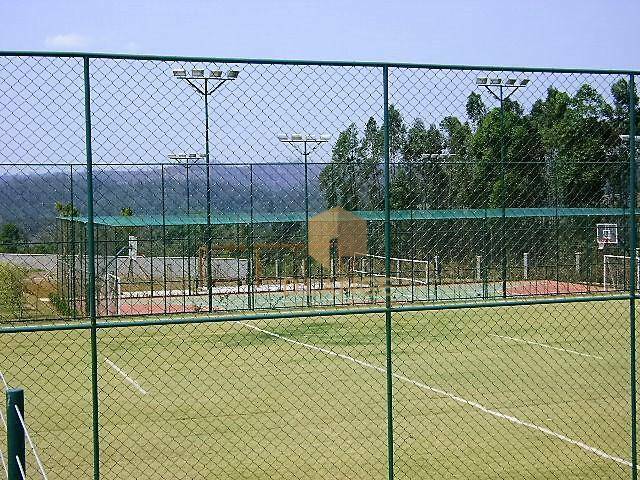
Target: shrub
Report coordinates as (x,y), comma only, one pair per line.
(61,305)
(12,287)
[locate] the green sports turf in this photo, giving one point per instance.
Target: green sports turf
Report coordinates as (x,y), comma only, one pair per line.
(306,398)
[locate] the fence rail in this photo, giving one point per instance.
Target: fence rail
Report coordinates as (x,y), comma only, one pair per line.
(259,268)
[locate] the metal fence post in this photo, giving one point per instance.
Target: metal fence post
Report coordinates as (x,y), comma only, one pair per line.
(208,158)
(91,272)
(15,434)
(503,198)
(632,266)
(387,270)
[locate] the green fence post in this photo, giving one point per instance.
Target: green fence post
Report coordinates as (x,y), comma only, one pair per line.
(307,262)
(503,237)
(15,434)
(387,270)
(632,266)
(208,161)
(91,272)
(251,264)
(164,240)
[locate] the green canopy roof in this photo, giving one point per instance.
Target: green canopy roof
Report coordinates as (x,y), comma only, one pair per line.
(370,215)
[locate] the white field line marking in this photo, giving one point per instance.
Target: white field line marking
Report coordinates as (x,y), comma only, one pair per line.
(544,345)
(451,396)
(33,447)
(22,474)
(125,376)
(4,464)
(4,423)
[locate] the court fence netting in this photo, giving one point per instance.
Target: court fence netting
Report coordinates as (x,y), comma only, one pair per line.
(239,268)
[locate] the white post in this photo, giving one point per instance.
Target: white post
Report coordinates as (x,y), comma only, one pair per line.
(118,295)
(604,273)
(437,266)
(277,268)
(478,267)
(578,263)
(426,274)
(133,247)
(525,262)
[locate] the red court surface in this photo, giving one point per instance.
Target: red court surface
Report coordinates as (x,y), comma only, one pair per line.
(550,287)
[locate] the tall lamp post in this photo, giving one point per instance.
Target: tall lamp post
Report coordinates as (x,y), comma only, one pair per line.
(501,91)
(188,159)
(205,86)
(305,145)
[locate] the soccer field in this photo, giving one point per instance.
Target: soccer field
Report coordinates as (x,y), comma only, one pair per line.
(536,391)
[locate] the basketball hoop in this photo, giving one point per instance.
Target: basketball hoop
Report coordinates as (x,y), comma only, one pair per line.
(606,234)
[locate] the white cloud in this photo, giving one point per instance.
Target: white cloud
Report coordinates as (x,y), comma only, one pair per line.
(67,40)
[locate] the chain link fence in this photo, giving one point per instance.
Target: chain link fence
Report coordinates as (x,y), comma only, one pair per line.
(269,269)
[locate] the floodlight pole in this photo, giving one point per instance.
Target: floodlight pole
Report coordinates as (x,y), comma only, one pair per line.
(316,142)
(187,157)
(200,83)
(500,96)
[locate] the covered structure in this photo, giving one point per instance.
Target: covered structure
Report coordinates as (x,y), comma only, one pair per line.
(335,235)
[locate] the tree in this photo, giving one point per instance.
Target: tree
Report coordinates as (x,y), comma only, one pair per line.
(580,136)
(339,179)
(370,174)
(401,190)
(420,169)
(126,212)
(457,136)
(524,184)
(420,141)
(476,110)
(66,209)
(457,141)
(397,134)
(620,94)
(11,238)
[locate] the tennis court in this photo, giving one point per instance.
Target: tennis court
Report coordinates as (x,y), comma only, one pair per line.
(306,397)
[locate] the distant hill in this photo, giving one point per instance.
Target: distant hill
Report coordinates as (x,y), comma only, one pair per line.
(30,198)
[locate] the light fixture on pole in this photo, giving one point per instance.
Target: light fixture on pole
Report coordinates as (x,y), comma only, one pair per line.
(300,142)
(206,85)
(187,159)
(497,87)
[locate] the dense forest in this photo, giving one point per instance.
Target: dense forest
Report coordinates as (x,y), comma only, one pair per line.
(566,151)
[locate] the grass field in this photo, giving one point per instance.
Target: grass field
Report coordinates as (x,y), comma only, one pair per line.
(512,392)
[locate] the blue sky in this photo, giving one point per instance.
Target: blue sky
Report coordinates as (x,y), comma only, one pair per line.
(572,33)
